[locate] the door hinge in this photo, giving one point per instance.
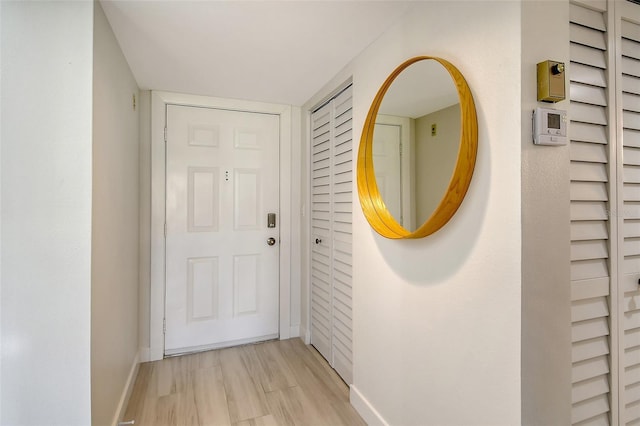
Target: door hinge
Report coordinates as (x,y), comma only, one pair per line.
(164,326)
(165,229)
(165,134)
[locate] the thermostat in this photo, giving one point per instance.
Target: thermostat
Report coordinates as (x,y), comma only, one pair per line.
(549,126)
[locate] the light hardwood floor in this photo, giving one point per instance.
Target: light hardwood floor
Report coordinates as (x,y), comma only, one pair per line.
(272,383)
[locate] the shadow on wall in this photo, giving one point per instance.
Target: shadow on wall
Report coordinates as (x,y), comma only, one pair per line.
(431,260)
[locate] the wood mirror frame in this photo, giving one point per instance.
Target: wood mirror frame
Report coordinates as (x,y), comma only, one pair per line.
(372,204)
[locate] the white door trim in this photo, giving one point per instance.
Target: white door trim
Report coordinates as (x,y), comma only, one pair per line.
(159,100)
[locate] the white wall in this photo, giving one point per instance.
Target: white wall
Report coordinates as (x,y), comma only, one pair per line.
(46,212)
(546,290)
(1,58)
(144,294)
(295,220)
(437,320)
(115,234)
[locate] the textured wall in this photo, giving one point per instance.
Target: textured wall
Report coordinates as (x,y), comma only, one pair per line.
(115,235)
(46,212)
(437,320)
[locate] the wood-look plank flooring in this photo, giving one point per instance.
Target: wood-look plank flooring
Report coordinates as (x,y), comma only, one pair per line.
(266,384)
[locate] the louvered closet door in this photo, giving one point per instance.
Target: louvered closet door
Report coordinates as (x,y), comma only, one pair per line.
(321,311)
(605,212)
(591,200)
(331,211)
(629,93)
(341,185)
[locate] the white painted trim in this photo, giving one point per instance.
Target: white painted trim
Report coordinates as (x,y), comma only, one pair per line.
(294,331)
(1,346)
(307,228)
(156,288)
(368,413)
(296,217)
(126,392)
(285,223)
(305,335)
(227,344)
(158,102)
(332,94)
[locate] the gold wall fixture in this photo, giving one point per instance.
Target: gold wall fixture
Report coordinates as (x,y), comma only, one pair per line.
(551,86)
(373,206)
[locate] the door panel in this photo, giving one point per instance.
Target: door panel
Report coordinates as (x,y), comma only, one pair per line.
(331,198)
(222,181)
(605,212)
(591,203)
(629,289)
(342,178)
(386,163)
(321,198)
(203,199)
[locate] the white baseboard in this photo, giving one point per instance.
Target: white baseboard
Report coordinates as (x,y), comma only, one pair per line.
(294,331)
(369,414)
(305,335)
(126,392)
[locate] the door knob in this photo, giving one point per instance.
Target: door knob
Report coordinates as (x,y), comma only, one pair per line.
(271,241)
(318,240)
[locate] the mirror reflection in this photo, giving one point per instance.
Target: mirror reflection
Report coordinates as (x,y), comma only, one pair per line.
(416,140)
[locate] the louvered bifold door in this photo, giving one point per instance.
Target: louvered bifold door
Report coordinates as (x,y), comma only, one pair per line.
(628,80)
(591,199)
(321,311)
(331,212)
(342,184)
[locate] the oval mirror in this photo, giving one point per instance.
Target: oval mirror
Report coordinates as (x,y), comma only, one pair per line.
(418,149)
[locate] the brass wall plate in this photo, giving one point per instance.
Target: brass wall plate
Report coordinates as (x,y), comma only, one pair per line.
(551,85)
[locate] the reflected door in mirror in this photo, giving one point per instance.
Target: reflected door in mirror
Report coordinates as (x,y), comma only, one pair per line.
(393,165)
(386,161)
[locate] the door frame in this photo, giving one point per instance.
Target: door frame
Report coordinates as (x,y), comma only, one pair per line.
(159,100)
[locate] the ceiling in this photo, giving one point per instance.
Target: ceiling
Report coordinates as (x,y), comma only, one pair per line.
(422,88)
(269,51)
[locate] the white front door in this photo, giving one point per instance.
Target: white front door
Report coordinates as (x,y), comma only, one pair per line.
(222,284)
(386,164)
